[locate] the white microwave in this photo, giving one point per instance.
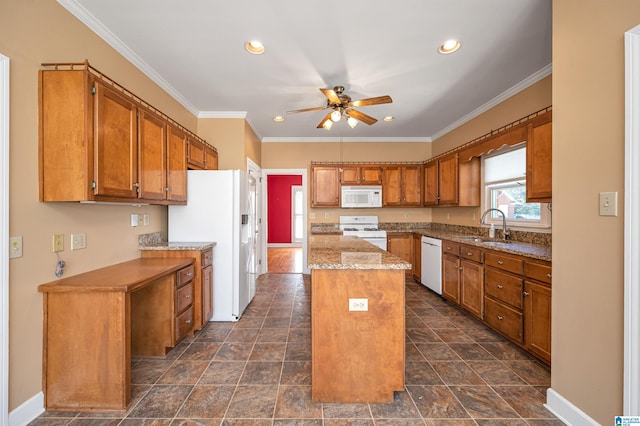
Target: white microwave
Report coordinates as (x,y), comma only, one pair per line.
(361,196)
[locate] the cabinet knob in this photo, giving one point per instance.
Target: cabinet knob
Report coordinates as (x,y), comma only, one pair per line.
(500,262)
(188,321)
(525,293)
(189,274)
(549,276)
(469,254)
(499,317)
(499,285)
(188,296)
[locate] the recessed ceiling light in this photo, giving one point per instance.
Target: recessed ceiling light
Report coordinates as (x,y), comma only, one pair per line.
(389,118)
(449,46)
(254,47)
(278,118)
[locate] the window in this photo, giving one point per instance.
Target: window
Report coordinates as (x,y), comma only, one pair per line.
(505,189)
(297,210)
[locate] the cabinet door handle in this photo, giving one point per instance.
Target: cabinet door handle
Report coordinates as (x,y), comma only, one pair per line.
(469,254)
(549,276)
(188,321)
(189,274)
(500,262)
(525,294)
(188,296)
(499,285)
(499,317)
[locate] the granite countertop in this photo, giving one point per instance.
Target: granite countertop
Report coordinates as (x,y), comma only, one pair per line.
(535,251)
(459,235)
(345,252)
(164,245)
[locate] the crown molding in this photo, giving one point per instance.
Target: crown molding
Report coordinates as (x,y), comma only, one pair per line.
(105,34)
(222,114)
(529,81)
(343,139)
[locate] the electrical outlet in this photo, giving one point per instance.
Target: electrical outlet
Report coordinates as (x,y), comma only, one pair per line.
(358,305)
(145,219)
(78,241)
(58,242)
(326,215)
(135,219)
(312,215)
(15,247)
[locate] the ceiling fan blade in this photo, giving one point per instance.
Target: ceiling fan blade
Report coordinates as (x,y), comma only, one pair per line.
(324,120)
(331,96)
(371,101)
(306,110)
(366,119)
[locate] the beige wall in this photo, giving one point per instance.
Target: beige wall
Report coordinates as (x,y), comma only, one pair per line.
(588,157)
(292,155)
(32,32)
(227,135)
(252,145)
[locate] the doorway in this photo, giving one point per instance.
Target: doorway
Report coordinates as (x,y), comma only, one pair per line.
(285,212)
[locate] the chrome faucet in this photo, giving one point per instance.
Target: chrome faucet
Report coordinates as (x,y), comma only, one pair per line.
(506,233)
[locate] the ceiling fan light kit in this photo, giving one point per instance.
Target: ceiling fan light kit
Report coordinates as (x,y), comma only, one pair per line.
(342,104)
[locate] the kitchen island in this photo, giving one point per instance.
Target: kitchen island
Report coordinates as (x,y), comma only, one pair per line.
(357,320)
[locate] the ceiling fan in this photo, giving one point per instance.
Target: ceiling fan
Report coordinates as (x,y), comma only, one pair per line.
(343,105)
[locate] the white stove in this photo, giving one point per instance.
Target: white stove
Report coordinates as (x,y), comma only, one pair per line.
(365,227)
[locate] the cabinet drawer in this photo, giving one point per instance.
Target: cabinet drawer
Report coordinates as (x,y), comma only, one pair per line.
(184,297)
(504,287)
(506,320)
(451,248)
(538,271)
(184,276)
(207,258)
(471,253)
(184,324)
(503,261)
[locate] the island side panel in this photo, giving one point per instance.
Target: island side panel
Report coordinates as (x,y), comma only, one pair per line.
(87,351)
(357,357)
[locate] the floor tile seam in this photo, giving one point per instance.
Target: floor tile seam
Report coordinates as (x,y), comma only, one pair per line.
(406,388)
(510,405)
(488,418)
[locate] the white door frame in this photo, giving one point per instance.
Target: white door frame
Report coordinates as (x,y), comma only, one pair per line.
(4,238)
(305,195)
(254,170)
(631,398)
(294,190)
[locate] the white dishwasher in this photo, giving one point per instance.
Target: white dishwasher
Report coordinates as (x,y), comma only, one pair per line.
(431,264)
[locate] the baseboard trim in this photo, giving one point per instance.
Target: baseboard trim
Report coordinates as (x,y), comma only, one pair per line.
(563,409)
(28,411)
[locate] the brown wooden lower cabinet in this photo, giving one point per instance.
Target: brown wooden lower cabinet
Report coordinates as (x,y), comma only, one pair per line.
(510,293)
(401,244)
(94,322)
(202,279)
(417,257)
(357,356)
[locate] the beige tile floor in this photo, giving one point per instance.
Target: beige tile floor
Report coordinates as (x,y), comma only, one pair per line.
(258,372)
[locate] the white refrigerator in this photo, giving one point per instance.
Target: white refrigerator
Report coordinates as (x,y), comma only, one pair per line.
(220,208)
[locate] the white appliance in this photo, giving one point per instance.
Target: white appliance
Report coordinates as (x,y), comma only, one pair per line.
(219,209)
(365,227)
(431,264)
(361,196)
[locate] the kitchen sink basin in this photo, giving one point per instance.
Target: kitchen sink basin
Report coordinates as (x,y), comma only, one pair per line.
(497,243)
(475,239)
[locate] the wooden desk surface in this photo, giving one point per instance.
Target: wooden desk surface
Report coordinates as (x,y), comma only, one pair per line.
(122,277)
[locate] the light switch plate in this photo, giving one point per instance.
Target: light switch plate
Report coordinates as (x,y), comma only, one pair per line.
(608,204)
(78,241)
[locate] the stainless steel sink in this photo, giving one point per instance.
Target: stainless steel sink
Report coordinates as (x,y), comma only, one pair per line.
(497,243)
(475,239)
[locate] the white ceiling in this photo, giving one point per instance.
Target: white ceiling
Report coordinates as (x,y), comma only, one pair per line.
(195,50)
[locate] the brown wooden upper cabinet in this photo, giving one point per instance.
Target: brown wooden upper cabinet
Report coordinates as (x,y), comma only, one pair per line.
(539,160)
(98,142)
(451,182)
(325,186)
(210,158)
(402,185)
(361,175)
(195,153)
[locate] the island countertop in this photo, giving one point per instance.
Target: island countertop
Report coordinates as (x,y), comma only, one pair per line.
(348,252)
